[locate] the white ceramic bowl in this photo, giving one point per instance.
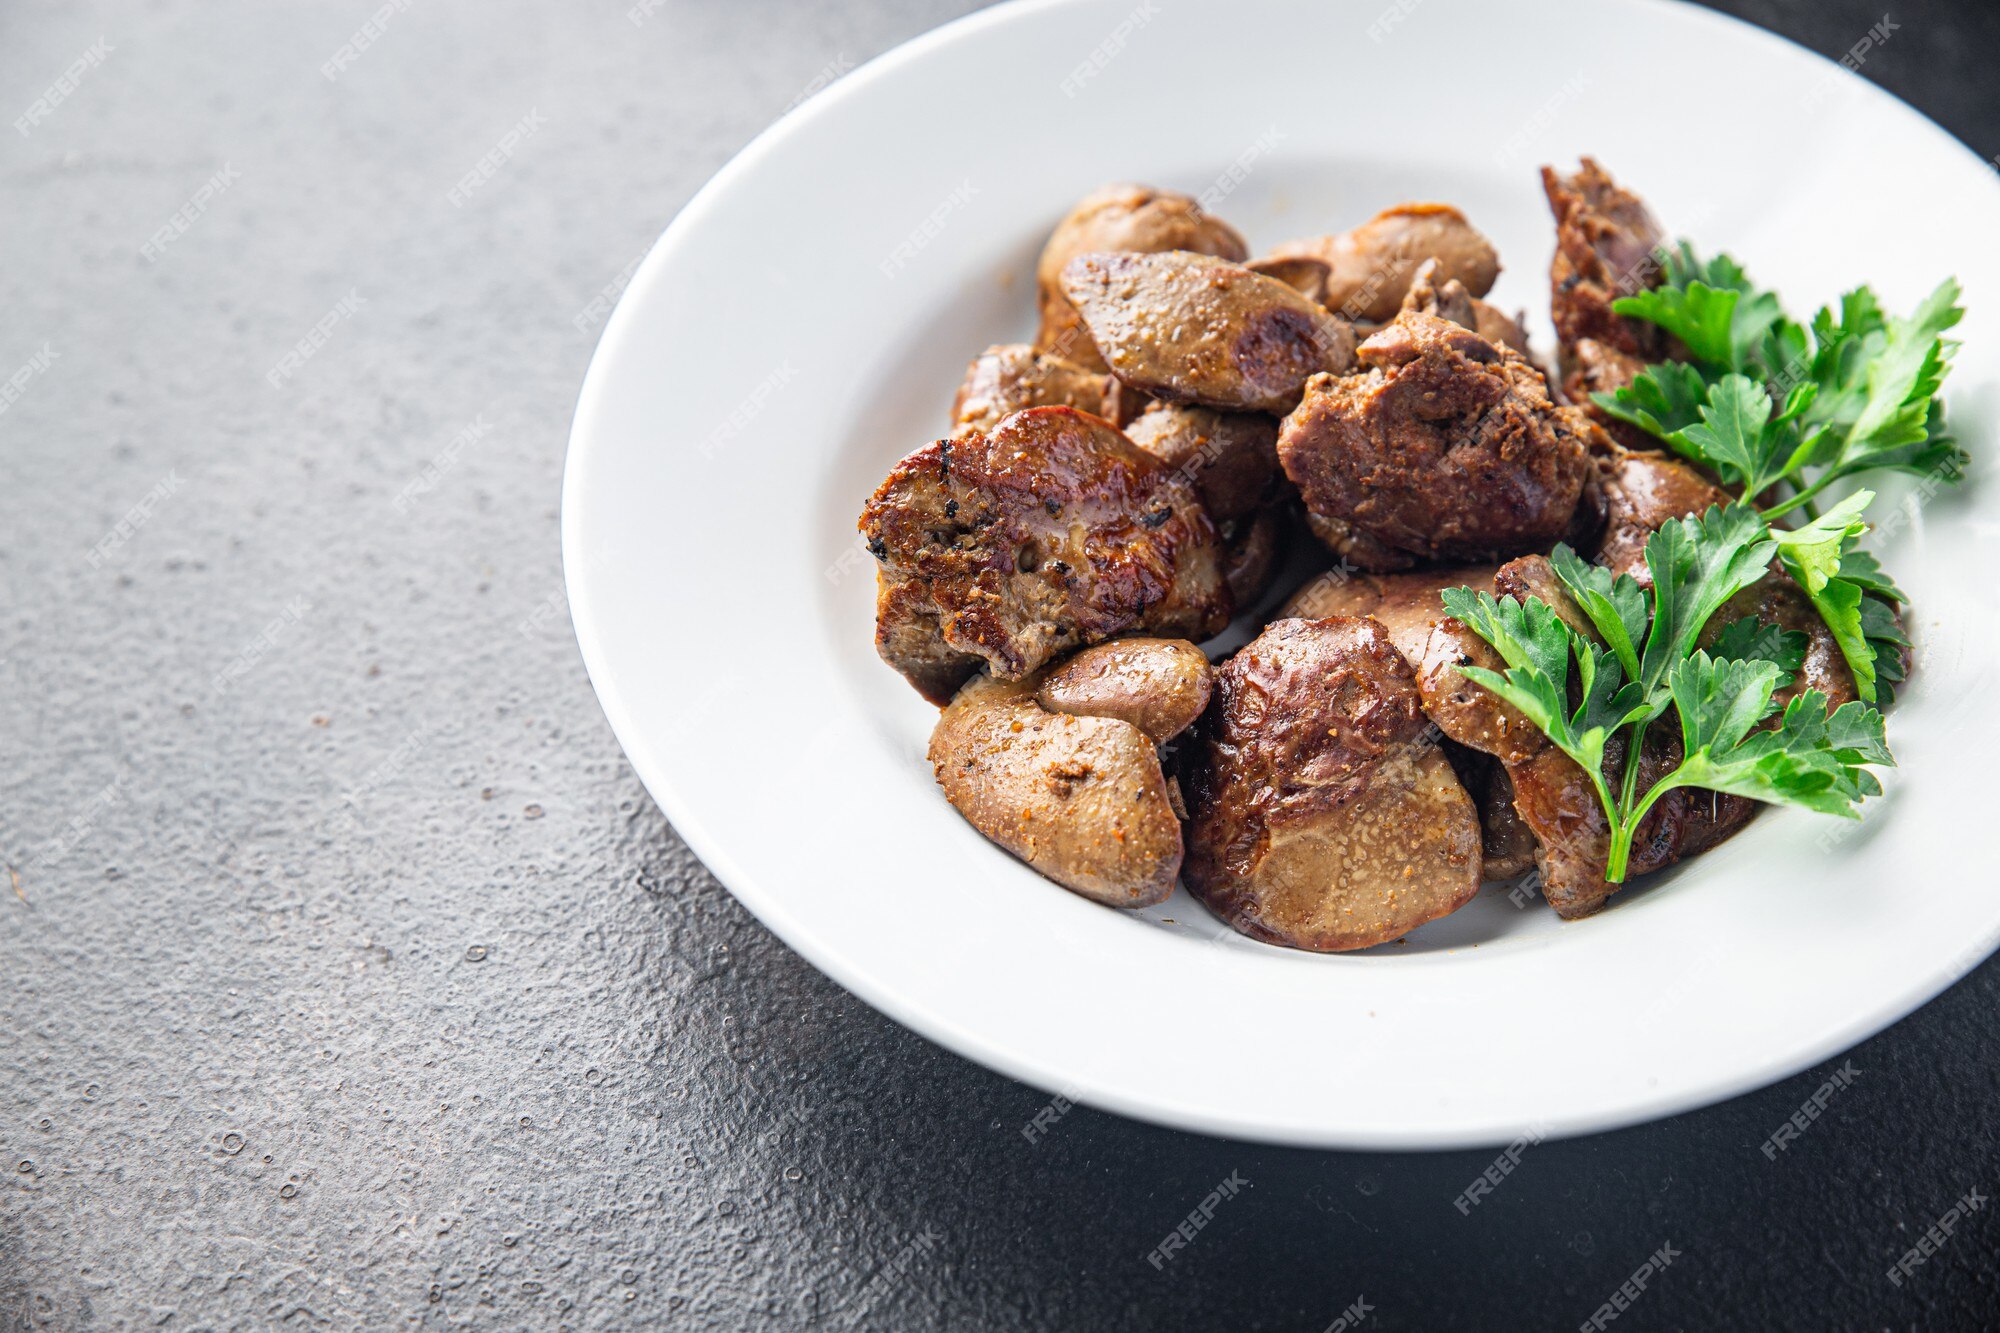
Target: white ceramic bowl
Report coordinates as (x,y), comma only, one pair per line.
(802,325)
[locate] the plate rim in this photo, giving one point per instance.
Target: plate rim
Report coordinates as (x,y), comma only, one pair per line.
(969,1042)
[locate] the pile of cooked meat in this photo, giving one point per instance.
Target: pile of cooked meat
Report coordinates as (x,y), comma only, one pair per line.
(1186,421)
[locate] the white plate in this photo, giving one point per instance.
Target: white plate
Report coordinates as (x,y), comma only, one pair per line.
(803,324)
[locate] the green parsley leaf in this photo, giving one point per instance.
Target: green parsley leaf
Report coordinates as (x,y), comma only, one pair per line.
(1740,440)
(1534,643)
(1862,567)
(1663,399)
(1752,640)
(1697,314)
(1877,407)
(1713,308)
(1616,606)
(1905,375)
(1537,646)
(1844,344)
(1731,437)
(1721,702)
(1872,379)
(1818,546)
(1887,641)
(1698,564)
(1813,556)
(1811,758)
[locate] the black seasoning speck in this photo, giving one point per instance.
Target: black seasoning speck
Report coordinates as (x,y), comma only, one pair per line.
(878,548)
(951,509)
(1154,518)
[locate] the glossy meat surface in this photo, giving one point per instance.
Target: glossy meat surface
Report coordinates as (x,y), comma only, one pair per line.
(1370,268)
(1232,457)
(1324,813)
(1159,686)
(1131,218)
(1642,491)
(1081,799)
(1005,379)
(1190,328)
(1410,607)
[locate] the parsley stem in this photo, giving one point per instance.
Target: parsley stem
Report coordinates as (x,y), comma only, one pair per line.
(1633,746)
(1623,824)
(1799,498)
(1622,835)
(1792,497)
(1621,850)
(1604,797)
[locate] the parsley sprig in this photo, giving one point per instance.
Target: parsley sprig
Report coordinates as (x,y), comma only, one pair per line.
(1635,656)
(1781,413)
(1769,404)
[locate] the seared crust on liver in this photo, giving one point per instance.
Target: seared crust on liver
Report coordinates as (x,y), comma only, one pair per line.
(1605,245)
(1324,814)
(1005,548)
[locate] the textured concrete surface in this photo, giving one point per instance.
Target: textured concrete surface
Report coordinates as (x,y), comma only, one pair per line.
(347,975)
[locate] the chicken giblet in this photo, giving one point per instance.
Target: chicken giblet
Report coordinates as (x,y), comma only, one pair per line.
(1191,328)
(1129,218)
(1006,547)
(1369,269)
(1606,242)
(1232,458)
(1432,293)
(1008,378)
(1445,447)
(1480,730)
(1324,814)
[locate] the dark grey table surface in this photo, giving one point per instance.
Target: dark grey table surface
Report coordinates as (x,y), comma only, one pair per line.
(347,974)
